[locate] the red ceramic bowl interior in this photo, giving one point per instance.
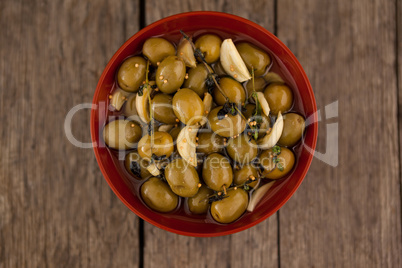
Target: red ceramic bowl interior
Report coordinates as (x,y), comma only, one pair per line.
(228,26)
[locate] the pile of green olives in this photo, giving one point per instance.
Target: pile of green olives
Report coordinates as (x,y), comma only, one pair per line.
(192,134)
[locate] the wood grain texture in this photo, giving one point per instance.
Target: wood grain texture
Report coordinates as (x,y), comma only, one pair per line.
(259,11)
(256,247)
(56,210)
(349,215)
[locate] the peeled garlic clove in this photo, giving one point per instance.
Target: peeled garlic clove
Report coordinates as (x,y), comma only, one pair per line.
(153,169)
(165,128)
(232,62)
(186,52)
(269,140)
(142,104)
(258,195)
(207,107)
(263,102)
(271,77)
(186,144)
(119,97)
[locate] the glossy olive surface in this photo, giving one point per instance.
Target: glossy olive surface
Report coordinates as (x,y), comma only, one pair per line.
(218,68)
(121,134)
(131,74)
(209,142)
(156,49)
(230,208)
(242,149)
(132,159)
(174,132)
(232,89)
(229,126)
(210,45)
(188,106)
(244,173)
(158,195)
(271,169)
(196,80)
(293,128)
(254,58)
(199,203)
(162,145)
(279,98)
(217,172)
(163,109)
(170,74)
(182,178)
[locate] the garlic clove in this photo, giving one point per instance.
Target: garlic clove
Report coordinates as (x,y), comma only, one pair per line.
(269,140)
(186,52)
(258,195)
(142,104)
(186,144)
(263,102)
(153,169)
(207,107)
(232,62)
(119,97)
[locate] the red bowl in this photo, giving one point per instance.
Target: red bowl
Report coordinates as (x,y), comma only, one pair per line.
(229,26)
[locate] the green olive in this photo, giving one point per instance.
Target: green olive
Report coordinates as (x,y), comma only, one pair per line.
(188,106)
(122,134)
(293,128)
(170,74)
(259,86)
(282,168)
(196,80)
(218,68)
(217,172)
(163,109)
(230,208)
(210,45)
(249,110)
(254,57)
(242,149)
(182,178)
(162,145)
(134,162)
(229,126)
(156,49)
(199,203)
(279,98)
(129,108)
(174,132)
(245,173)
(131,74)
(209,142)
(158,196)
(232,89)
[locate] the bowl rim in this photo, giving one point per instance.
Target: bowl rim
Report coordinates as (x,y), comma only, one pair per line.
(314,125)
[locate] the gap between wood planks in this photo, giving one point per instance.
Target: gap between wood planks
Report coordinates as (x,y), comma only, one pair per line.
(397,63)
(142,24)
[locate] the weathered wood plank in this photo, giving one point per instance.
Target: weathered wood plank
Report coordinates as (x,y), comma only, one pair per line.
(349,215)
(56,209)
(256,247)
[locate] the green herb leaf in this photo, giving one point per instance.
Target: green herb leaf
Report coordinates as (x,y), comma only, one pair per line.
(280,167)
(276,150)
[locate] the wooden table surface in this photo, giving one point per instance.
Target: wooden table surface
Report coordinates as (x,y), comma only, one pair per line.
(56,210)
